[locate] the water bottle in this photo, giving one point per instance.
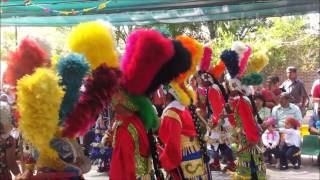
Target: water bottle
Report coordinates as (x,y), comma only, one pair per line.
(318,125)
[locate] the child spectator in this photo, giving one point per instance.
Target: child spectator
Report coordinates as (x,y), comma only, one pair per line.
(264,112)
(291,144)
(270,139)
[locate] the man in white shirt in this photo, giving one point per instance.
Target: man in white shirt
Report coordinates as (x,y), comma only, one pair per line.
(285,110)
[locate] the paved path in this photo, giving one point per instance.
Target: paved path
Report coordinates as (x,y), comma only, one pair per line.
(308,171)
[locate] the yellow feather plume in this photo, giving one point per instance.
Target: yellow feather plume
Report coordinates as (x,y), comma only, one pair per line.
(257,63)
(54,62)
(39,99)
(184,98)
(95,41)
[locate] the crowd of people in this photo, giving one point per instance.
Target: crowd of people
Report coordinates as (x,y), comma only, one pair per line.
(164,110)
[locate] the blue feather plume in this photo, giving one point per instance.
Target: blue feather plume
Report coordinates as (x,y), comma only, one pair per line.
(72,69)
(231,60)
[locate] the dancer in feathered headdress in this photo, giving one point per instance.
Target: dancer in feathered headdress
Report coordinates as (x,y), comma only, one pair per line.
(246,128)
(213,97)
(147,51)
(177,121)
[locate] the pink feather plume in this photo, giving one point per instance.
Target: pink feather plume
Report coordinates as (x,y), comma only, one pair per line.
(244,60)
(146,52)
(206,59)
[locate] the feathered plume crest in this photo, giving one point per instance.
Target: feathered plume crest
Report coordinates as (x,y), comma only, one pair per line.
(217,70)
(146,111)
(72,70)
(98,93)
(196,50)
(146,52)
(257,63)
(244,60)
(24,60)
(39,101)
(239,47)
(186,94)
(179,63)
(230,59)
(252,79)
(95,41)
(206,59)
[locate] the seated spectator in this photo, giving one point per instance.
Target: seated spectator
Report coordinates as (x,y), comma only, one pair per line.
(291,144)
(260,102)
(270,139)
(314,121)
(285,110)
(271,91)
(315,90)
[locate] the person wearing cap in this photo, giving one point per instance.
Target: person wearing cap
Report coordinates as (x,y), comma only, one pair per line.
(295,88)
(315,90)
(286,109)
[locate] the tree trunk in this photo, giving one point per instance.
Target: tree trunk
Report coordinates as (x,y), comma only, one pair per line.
(212,27)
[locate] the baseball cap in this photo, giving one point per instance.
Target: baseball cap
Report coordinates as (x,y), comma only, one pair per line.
(291,69)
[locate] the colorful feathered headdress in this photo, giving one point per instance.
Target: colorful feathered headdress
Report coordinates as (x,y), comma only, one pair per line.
(95,41)
(146,52)
(178,64)
(24,60)
(186,94)
(256,64)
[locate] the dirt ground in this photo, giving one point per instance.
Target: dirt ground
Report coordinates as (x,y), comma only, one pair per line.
(308,171)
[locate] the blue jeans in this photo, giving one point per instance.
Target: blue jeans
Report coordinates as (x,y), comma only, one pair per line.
(286,153)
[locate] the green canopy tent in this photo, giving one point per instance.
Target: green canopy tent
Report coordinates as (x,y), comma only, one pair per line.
(141,12)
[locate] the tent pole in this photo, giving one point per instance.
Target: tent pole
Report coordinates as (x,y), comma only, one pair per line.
(16,35)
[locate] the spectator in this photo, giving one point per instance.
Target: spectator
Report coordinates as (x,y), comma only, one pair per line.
(285,110)
(270,139)
(272,91)
(260,102)
(296,89)
(315,90)
(314,121)
(291,144)
(8,160)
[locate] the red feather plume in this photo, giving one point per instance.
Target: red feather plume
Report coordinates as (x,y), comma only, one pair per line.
(24,60)
(98,93)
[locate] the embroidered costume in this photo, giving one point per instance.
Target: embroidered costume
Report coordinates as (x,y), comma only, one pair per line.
(246,133)
(183,154)
(178,133)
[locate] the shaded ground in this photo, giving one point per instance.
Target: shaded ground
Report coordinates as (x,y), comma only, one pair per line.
(308,171)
